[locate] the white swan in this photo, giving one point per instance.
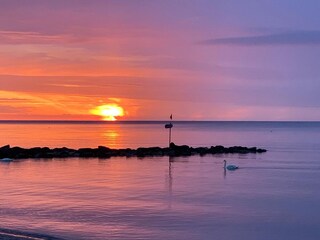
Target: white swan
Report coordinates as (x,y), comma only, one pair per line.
(229,167)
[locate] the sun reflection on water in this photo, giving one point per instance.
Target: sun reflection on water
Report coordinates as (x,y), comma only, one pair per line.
(111,136)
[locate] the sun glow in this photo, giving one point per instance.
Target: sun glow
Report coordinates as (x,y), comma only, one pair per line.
(108,112)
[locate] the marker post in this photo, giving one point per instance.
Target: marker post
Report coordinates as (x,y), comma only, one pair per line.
(169,125)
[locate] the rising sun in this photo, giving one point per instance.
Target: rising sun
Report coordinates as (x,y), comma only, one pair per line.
(108,112)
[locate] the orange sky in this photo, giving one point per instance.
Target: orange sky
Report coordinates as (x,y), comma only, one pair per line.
(206,60)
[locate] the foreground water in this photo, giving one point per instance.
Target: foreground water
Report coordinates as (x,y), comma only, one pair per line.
(272,196)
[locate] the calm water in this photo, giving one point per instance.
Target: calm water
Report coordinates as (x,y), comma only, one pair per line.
(272,196)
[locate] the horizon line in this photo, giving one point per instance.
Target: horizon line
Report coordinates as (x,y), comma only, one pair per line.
(145,121)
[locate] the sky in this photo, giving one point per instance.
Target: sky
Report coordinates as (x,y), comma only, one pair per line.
(147,59)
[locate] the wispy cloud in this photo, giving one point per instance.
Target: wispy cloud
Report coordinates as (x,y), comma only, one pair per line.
(13,100)
(287,38)
(23,37)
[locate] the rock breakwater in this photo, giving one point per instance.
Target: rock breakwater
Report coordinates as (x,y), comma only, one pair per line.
(105,152)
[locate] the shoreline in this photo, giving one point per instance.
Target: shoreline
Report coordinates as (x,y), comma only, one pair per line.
(10,234)
(104,152)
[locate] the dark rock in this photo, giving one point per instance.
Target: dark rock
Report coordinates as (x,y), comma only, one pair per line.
(58,152)
(219,149)
(202,150)
(183,150)
(17,149)
(103,148)
(142,152)
(4,151)
(105,152)
(87,152)
(5,148)
(259,150)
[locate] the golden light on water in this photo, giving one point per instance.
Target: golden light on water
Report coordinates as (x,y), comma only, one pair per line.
(108,112)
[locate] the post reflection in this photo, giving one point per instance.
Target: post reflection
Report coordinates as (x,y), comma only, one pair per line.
(170,180)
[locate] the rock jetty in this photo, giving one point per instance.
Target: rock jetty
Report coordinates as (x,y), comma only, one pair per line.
(105,152)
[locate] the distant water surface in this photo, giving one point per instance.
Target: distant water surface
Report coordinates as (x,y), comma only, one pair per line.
(137,134)
(272,196)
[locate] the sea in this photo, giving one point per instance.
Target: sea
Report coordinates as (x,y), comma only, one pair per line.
(272,196)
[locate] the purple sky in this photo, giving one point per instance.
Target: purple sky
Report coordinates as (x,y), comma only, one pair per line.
(199,59)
